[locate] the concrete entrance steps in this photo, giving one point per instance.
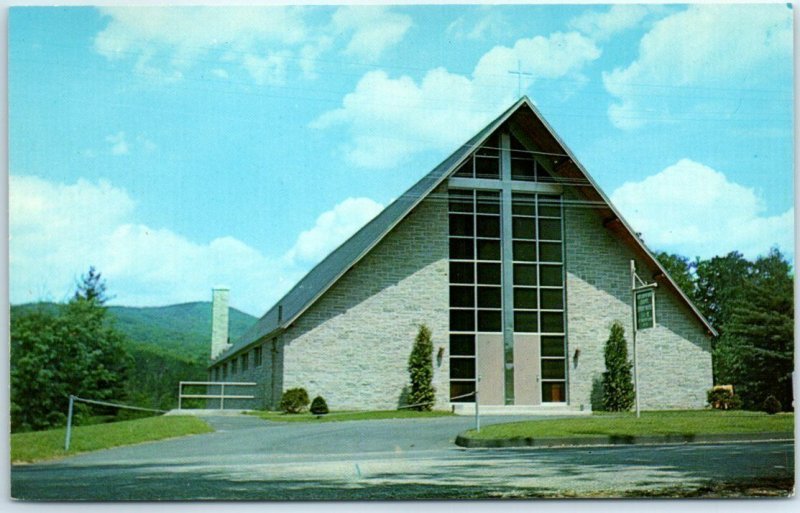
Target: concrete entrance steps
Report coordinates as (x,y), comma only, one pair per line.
(207,413)
(514,409)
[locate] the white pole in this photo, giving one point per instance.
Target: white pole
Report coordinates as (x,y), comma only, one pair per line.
(635,367)
(222,396)
(477,411)
(69,422)
(180,394)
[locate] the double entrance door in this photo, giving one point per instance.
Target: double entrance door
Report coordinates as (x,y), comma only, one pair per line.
(515,383)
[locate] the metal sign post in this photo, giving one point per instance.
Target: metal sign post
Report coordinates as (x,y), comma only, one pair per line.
(635,366)
(477,411)
(644,290)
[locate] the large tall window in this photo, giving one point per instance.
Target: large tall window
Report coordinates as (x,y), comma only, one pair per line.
(538,262)
(507,266)
(475,281)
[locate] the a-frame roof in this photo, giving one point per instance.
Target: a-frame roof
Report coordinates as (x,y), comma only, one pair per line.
(526,118)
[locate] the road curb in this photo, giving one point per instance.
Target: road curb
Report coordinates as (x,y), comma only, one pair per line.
(584,441)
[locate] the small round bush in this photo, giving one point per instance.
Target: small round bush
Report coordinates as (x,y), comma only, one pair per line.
(294,400)
(723,399)
(319,406)
(771,405)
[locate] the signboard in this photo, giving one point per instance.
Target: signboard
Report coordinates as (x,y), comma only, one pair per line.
(645,309)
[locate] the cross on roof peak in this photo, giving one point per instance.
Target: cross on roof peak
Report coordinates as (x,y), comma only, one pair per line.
(519,74)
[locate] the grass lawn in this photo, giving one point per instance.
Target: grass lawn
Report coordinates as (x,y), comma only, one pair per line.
(690,422)
(47,445)
(339,416)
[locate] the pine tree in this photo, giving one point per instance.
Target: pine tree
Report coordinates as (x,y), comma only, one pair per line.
(420,369)
(618,392)
(760,334)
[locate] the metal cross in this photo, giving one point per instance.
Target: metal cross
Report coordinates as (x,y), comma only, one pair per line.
(519,74)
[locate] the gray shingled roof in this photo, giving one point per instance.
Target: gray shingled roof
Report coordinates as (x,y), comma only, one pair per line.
(327,272)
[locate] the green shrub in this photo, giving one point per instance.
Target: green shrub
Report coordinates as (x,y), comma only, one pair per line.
(771,405)
(294,400)
(723,399)
(319,406)
(618,392)
(420,369)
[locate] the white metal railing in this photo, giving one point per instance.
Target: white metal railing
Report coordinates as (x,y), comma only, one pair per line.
(221,396)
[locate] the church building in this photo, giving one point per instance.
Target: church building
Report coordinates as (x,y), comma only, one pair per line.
(517,262)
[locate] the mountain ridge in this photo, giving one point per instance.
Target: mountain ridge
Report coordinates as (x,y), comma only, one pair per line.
(182,330)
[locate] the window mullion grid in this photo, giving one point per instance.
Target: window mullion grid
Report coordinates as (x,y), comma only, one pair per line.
(475,265)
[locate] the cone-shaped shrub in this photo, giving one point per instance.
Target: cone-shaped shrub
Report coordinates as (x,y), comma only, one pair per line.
(420,369)
(618,392)
(319,406)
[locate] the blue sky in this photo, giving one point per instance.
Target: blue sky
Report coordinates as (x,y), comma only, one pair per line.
(181,148)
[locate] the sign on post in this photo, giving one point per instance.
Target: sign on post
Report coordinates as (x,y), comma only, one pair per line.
(645,309)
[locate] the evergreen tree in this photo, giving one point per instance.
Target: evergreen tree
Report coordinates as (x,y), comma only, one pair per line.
(75,350)
(719,287)
(759,336)
(91,288)
(420,369)
(618,392)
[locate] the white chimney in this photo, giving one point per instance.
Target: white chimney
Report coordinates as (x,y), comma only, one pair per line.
(219,321)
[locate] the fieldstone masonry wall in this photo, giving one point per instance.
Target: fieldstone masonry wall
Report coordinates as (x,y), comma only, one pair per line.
(674,358)
(352,345)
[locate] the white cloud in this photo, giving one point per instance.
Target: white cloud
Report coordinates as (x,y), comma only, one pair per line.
(58,231)
(119,145)
(146,144)
(491,23)
(373,28)
(332,228)
(694,210)
(219,73)
(267,70)
(392,118)
(700,47)
(167,41)
(164,43)
(192,31)
(619,18)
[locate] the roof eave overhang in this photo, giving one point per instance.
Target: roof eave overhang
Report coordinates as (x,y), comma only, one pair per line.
(639,245)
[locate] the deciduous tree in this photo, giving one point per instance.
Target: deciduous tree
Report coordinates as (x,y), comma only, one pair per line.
(74,350)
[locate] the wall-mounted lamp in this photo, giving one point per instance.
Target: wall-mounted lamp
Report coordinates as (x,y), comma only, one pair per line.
(575,357)
(439,357)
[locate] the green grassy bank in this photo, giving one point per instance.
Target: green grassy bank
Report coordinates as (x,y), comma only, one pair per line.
(694,422)
(45,445)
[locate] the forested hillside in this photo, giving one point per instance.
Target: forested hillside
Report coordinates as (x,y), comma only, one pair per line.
(167,344)
(182,330)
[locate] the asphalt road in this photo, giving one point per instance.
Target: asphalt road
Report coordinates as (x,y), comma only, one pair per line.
(249,459)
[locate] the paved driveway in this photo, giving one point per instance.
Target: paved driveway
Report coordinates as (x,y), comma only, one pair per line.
(410,458)
(247,436)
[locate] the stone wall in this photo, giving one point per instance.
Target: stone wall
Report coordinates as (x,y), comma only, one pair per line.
(674,358)
(352,345)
